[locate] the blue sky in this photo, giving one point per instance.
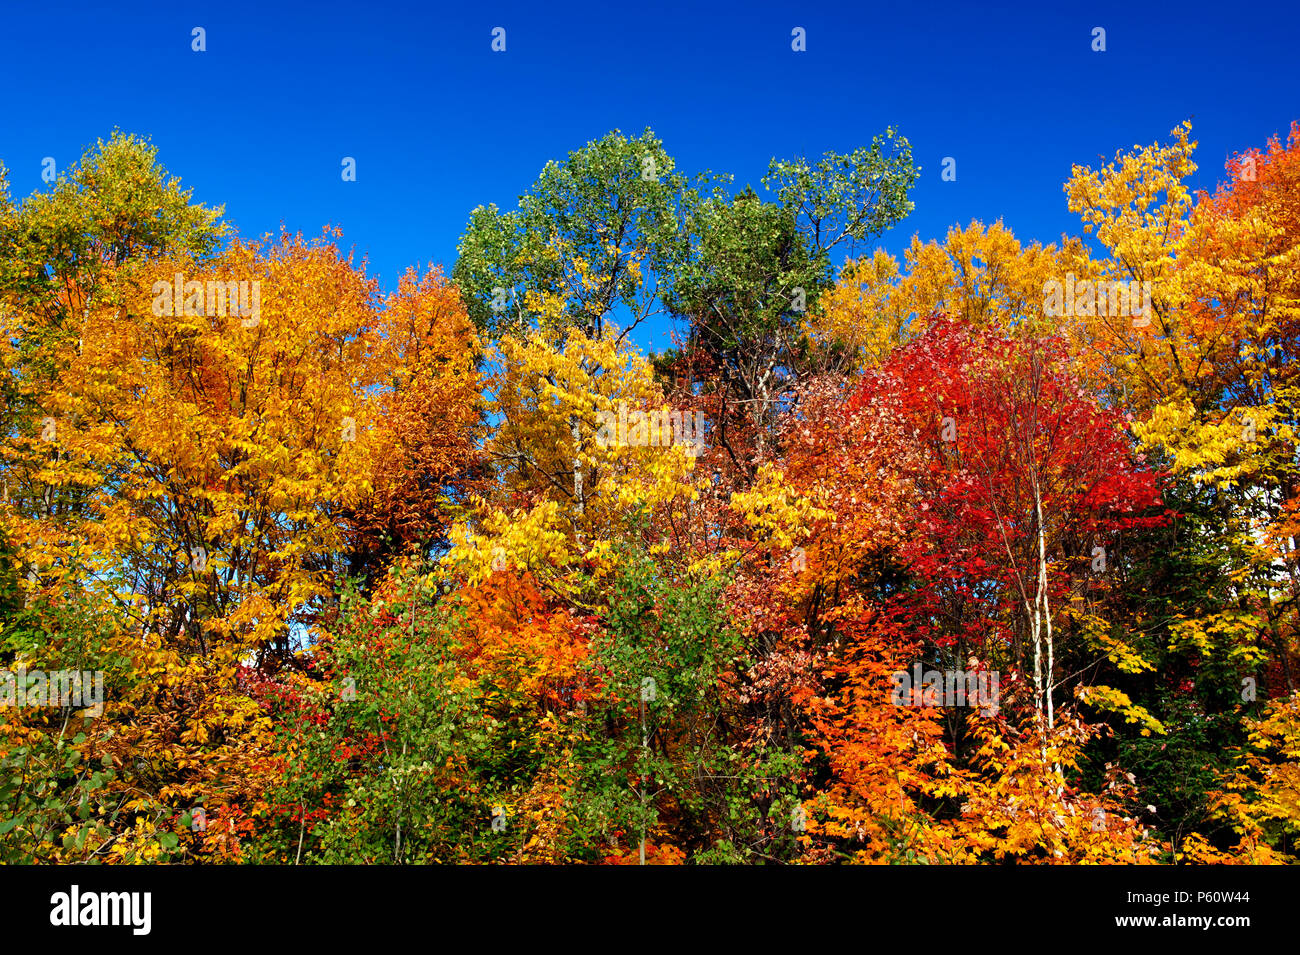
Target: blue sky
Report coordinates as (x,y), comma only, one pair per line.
(438,123)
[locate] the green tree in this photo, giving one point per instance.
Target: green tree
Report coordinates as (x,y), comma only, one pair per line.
(661,760)
(597,233)
(757,267)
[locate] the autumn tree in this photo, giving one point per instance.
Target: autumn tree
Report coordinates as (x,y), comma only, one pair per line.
(237,442)
(980,274)
(759,266)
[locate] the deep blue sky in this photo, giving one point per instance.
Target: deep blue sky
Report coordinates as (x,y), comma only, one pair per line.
(438,123)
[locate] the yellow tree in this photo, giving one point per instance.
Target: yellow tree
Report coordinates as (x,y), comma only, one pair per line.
(237,426)
(236,435)
(584,448)
(1260,797)
(1209,372)
(981,274)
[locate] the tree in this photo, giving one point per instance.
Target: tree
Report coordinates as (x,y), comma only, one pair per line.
(757,267)
(218,456)
(587,240)
(981,275)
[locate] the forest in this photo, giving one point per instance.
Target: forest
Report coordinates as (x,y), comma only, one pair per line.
(984,555)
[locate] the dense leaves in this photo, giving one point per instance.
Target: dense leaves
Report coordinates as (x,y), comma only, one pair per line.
(881,563)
